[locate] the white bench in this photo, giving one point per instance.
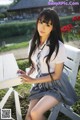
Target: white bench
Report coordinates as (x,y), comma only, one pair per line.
(72,64)
(8,79)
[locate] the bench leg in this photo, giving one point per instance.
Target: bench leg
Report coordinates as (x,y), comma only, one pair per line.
(17,105)
(54,112)
(5,98)
(66,110)
(69,112)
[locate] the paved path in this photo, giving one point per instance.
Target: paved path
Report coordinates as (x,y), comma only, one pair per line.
(22,52)
(18,53)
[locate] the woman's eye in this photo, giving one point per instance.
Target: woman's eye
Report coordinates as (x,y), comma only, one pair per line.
(41,22)
(48,25)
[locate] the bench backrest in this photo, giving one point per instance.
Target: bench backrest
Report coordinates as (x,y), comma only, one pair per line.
(72,62)
(8,71)
(8,67)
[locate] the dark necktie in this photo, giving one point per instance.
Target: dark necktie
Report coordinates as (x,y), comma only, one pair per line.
(38,62)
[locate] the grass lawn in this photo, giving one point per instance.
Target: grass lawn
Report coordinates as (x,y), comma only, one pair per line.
(22,41)
(15,43)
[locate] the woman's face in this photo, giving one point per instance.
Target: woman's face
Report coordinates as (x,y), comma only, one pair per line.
(44,28)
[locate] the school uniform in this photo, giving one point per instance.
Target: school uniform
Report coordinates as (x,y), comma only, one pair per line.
(61,89)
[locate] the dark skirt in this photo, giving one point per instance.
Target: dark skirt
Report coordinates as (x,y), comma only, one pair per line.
(61,89)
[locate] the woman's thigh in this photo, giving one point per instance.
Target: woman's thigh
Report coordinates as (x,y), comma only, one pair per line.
(31,105)
(45,104)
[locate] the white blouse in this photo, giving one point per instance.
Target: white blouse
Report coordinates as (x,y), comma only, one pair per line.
(60,58)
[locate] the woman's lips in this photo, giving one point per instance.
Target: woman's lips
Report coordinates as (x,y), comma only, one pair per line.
(42,32)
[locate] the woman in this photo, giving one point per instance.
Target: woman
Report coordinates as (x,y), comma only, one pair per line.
(47,56)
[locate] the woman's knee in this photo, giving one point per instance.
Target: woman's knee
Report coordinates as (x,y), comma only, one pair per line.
(31,106)
(35,113)
(28,116)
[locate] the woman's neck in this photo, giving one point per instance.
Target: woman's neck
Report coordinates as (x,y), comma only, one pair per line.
(42,40)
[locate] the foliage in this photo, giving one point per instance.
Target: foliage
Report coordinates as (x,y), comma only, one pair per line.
(24,27)
(70,29)
(16,29)
(2,15)
(23,64)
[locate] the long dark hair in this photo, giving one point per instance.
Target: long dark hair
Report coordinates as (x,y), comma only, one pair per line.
(55,35)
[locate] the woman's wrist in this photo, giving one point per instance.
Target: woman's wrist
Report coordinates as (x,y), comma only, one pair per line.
(31,70)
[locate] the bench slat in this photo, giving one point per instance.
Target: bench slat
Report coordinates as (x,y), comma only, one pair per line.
(10,70)
(72,52)
(17,105)
(1,68)
(70,64)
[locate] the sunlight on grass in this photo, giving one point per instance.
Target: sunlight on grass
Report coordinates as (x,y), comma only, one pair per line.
(16,39)
(14,46)
(15,43)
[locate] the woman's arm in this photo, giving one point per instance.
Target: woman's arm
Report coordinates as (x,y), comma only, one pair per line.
(56,76)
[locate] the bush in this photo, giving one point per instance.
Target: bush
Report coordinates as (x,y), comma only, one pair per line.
(22,28)
(66,20)
(2,15)
(16,29)
(23,64)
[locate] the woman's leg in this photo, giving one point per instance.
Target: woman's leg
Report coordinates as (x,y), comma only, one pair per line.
(44,104)
(31,105)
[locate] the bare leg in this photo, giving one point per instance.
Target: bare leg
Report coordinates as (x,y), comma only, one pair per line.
(31,105)
(44,104)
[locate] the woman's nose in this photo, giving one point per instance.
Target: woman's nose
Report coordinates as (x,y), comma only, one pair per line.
(43,26)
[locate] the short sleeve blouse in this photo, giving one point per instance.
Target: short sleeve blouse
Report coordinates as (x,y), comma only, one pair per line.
(60,58)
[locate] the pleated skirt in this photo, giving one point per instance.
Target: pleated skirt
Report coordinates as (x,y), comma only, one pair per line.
(60,89)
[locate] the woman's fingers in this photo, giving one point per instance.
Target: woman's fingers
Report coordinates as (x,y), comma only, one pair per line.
(23,80)
(26,79)
(21,71)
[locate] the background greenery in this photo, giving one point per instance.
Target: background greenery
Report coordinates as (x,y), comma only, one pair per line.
(16,34)
(24,27)
(16,28)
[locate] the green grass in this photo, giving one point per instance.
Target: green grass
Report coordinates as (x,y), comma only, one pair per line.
(16,39)
(14,46)
(15,43)
(71,37)
(22,41)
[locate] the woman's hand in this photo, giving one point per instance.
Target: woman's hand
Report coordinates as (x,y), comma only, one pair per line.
(26,79)
(21,72)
